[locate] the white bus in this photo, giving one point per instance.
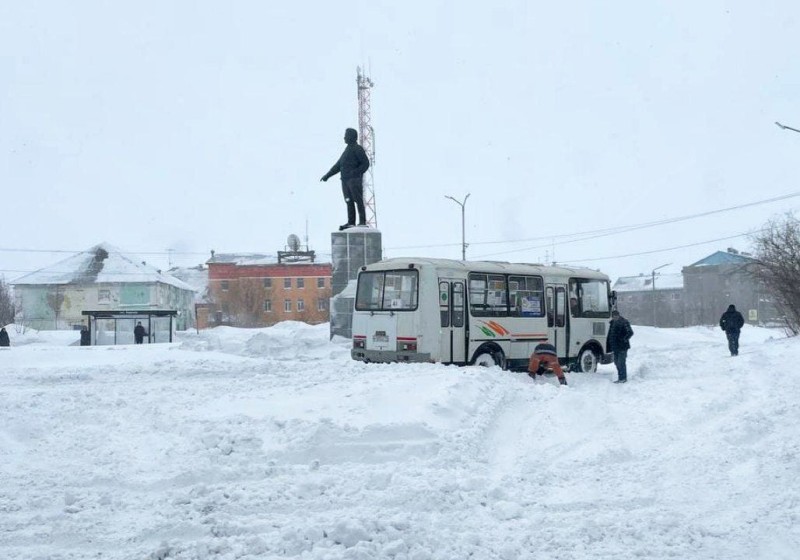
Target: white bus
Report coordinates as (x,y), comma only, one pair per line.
(485,313)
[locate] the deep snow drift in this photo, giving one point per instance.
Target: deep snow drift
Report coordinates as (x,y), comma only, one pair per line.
(272,443)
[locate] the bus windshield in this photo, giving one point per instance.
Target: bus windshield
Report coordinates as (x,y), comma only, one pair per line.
(588,298)
(390,290)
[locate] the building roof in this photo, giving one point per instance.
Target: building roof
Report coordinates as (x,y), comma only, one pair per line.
(101,264)
(242,259)
(644,282)
(724,257)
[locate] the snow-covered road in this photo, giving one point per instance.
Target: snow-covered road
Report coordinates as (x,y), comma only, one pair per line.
(272,443)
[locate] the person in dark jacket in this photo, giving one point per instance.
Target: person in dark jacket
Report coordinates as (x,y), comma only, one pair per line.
(86,339)
(544,360)
(619,336)
(139,333)
(4,340)
(732,322)
(352,164)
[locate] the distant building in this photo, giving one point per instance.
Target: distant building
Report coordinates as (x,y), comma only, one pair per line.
(698,295)
(721,279)
(255,290)
(645,302)
(197,278)
(100,278)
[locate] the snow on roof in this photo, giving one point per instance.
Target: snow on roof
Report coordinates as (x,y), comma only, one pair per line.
(242,259)
(101,264)
(672,281)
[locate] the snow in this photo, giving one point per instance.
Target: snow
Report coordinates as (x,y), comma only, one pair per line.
(101,264)
(273,443)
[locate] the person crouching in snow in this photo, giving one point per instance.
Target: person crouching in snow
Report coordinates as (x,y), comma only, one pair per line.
(545,359)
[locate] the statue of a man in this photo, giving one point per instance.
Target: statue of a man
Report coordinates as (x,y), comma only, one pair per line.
(352,164)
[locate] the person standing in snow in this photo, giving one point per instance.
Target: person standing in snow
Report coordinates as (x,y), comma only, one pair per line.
(732,322)
(352,164)
(4,340)
(545,358)
(139,333)
(86,338)
(619,336)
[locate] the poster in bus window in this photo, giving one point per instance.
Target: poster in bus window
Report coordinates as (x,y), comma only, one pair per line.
(531,306)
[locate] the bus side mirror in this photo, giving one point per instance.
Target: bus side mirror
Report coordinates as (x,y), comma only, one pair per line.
(613,298)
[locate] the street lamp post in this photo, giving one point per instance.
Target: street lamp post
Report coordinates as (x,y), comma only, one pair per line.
(463,239)
(784,127)
(653,273)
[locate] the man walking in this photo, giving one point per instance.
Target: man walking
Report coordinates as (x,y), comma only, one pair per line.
(732,322)
(352,164)
(619,335)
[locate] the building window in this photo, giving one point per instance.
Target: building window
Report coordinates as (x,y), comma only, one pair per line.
(287,305)
(103,296)
(676,295)
(224,285)
(301,305)
(287,283)
(267,282)
(320,282)
(301,282)
(322,304)
(267,305)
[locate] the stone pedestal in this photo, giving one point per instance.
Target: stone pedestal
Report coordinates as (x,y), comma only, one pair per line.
(350,250)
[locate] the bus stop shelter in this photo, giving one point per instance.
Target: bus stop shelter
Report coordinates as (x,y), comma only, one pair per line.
(109,327)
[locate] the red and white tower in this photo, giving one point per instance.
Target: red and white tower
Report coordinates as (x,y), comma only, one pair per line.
(366,135)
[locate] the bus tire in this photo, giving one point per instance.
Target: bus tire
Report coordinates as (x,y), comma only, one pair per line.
(587,361)
(487,358)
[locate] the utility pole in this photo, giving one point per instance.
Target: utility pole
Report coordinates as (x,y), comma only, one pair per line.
(653,273)
(463,239)
(367,139)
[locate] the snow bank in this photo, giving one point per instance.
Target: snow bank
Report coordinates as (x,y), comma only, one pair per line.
(272,443)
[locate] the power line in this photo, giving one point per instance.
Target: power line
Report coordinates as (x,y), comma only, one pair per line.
(597,233)
(664,250)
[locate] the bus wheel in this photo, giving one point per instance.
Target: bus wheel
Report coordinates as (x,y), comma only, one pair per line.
(489,359)
(587,361)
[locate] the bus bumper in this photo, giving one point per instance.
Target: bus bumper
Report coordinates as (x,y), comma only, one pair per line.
(363,355)
(607,358)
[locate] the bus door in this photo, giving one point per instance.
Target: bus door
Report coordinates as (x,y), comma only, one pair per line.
(556,297)
(452,321)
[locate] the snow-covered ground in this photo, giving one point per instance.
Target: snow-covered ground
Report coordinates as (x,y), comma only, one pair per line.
(272,443)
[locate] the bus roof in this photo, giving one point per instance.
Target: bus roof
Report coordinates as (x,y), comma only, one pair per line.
(486,266)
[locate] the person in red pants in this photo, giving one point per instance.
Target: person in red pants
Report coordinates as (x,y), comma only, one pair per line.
(545,359)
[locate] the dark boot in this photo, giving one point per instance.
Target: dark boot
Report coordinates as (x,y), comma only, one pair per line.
(562,380)
(345,226)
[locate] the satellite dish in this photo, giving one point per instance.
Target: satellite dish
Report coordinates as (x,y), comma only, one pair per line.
(293,242)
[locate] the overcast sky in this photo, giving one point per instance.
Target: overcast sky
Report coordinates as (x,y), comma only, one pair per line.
(191,126)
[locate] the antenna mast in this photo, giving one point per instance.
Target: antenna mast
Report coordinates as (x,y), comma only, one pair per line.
(367,136)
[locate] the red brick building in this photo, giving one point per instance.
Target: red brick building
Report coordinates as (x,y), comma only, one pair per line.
(252,290)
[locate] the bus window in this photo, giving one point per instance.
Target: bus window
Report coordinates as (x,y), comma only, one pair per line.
(444,304)
(591,297)
(550,306)
(526,296)
(488,296)
(370,291)
(458,304)
(561,307)
(393,290)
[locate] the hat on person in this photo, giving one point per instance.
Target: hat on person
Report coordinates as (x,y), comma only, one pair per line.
(615,313)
